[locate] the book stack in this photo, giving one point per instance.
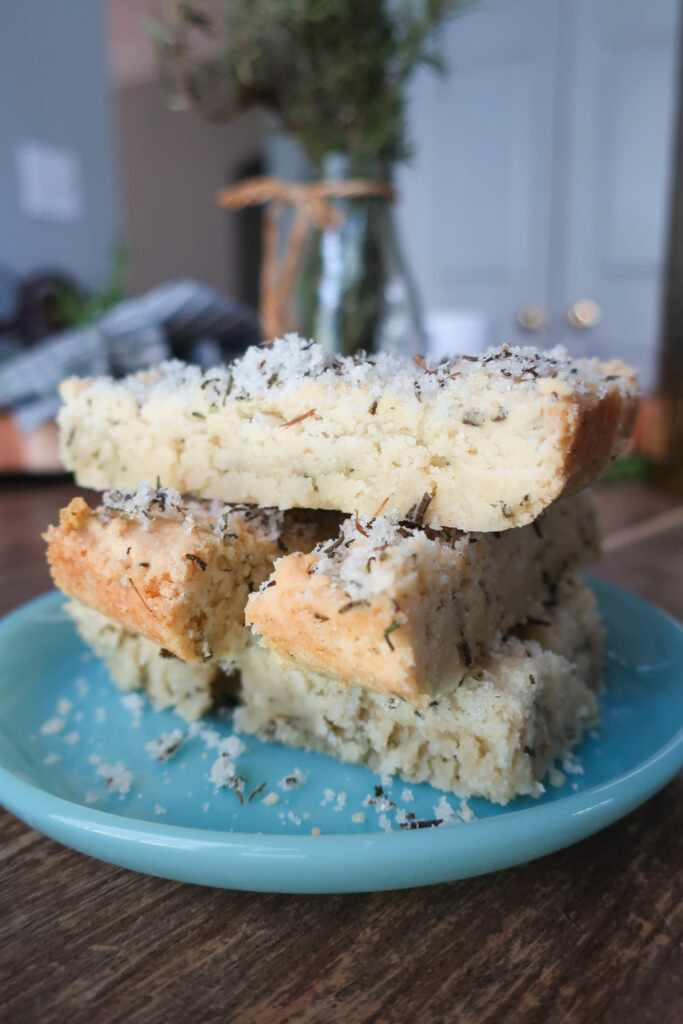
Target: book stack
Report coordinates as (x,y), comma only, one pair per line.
(377,560)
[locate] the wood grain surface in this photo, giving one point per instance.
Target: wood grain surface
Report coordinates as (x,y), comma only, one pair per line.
(590,934)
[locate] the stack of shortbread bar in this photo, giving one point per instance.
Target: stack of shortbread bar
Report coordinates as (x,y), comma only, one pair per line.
(381,560)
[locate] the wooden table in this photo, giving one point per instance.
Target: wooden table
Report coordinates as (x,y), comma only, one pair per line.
(590,934)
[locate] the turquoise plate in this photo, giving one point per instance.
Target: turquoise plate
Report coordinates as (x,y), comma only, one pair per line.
(65,731)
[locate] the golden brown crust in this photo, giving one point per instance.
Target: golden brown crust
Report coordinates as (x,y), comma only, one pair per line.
(184,589)
(600,434)
(401,613)
(305,617)
(75,515)
(113,569)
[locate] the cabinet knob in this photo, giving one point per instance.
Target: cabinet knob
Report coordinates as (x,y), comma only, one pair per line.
(584,313)
(531,318)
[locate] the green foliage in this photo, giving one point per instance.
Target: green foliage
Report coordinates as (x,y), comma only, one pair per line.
(630,467)
(333,71)
(78,310)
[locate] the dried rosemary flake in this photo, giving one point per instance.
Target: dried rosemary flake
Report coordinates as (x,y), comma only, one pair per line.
(417,513)
(132,583)
(165,746)
(237,785)
(419,361)
(298,419)
(333,545)
(350,605)
(388,631)
(259,789)
(358,525)
(420,823)
(199,562)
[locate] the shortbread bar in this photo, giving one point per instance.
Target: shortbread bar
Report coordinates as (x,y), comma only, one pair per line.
(493,732)
(179,572)
(135,663)
(402,610)
(478,443)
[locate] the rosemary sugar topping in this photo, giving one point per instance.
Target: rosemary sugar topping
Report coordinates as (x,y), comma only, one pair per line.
(147,503)
(291,362)
(368,556)
(166,745)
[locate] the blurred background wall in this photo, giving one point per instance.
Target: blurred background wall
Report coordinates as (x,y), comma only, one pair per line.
(60,197)
(172,164)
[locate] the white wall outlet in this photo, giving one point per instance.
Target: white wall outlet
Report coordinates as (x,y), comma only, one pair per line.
(50,182)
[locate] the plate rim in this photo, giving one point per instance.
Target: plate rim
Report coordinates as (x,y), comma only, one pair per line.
(556,824)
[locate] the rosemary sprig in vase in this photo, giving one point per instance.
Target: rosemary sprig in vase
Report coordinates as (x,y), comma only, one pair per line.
(334,72)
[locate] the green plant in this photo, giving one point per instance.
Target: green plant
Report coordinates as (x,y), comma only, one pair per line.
(78,309)
(333,71)
(632,466)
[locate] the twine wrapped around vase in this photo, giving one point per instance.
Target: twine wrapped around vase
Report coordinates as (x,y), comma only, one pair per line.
(313,210)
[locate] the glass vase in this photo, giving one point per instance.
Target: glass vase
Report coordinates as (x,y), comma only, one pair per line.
(354,289)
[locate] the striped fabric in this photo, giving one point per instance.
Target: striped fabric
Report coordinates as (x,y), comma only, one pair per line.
(184,319)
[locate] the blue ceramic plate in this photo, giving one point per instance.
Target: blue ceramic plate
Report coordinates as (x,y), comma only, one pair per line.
(65,730)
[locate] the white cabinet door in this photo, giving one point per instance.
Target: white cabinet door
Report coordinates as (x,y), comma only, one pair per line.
(614,174)
(543,173)
(475,205)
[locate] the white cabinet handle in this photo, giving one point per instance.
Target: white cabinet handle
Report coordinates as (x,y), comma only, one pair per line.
(584,313)
(531,318)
